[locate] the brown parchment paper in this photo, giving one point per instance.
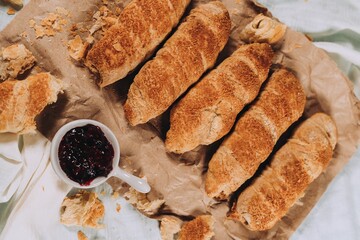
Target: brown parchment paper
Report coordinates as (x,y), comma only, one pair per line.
(178,179)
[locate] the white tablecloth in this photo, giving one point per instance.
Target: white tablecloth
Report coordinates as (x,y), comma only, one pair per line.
(334,25)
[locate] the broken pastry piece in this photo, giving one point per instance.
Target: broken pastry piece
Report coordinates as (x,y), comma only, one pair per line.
(84,209)
(298,163)
(77,48)
(142,203)
(22,101)
(201,228)
(263,30)
(169,227)
(15,60)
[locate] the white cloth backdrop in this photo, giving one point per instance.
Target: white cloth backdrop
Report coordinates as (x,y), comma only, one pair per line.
(334,25)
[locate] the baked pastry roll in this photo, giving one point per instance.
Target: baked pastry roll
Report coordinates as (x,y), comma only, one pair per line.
(279,105)
(190,51)
(22,101)
(208,111)
(293,167)
(141,27)
(263,29)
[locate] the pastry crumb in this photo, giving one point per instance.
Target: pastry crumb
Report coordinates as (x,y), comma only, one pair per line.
(118,207)
(77,48)
(50,24)
(10,11)
(62,11)
(32,23)
(104,19)
(117,47)
(115,195)
(81,236)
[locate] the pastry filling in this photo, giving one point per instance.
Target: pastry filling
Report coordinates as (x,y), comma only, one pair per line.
(85,154)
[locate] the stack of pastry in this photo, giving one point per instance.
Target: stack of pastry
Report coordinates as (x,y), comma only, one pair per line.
(279,105)
(299,162)
(211,107)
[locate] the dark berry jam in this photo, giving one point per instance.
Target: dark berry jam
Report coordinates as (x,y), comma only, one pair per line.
(85,154)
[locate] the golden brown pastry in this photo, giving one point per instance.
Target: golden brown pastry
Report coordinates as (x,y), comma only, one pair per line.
(208,111)
(169,227)
(191,50)
(15,60)
(141,202)
(84,209)
(263,29)
(279,105)
(201,228)
(81,236)
(299,162)
(141,27)
(22,101)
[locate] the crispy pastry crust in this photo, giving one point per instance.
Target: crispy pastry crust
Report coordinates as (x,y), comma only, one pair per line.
(201,228)
(141,27)
(190,51)
(208,111)
(280,104)
(292,169)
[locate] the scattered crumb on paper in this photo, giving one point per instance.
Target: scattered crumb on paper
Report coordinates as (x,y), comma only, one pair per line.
(50,24)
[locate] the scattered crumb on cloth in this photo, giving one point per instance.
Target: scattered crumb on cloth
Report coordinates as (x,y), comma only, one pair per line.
(118,207)
(81,236)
